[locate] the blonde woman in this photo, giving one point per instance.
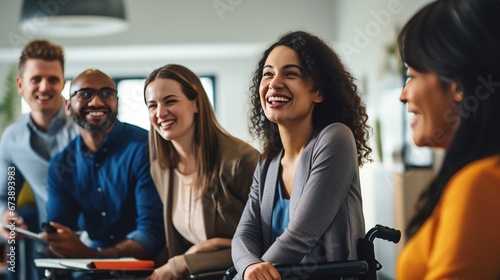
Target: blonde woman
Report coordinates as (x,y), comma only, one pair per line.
(202,173)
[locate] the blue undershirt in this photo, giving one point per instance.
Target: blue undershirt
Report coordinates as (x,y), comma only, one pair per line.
(281,213)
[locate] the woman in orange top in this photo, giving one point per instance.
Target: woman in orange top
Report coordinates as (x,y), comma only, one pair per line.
(452,50)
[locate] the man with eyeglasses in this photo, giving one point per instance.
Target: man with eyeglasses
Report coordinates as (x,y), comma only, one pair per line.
(27,145)
(104,175)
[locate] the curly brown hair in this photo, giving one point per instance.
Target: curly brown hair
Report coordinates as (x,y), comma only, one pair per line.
(342,103)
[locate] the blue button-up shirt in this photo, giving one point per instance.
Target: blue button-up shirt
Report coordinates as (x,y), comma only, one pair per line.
(111,188)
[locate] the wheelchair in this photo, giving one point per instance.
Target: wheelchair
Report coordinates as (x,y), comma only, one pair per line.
(364,268)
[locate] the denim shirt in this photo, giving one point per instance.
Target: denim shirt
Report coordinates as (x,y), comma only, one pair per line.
(111,188)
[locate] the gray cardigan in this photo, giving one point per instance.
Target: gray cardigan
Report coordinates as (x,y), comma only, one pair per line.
(326,215)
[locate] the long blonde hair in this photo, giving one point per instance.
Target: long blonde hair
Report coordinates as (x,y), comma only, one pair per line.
(207,129)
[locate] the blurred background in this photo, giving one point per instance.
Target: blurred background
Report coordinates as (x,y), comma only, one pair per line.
(222,41)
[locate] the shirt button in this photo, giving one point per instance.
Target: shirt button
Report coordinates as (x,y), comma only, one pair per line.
(103,213)
(99,189)
(97,165)
(111,237)
(104,150)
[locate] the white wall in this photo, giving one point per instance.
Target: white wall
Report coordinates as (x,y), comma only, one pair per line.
(366,29)
(216,37)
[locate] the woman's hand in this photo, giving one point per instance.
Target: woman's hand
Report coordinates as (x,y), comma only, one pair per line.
(163,272)
(263,270)
(175,268)
(213,244)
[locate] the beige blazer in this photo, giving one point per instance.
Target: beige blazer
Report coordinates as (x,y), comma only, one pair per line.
(223,204)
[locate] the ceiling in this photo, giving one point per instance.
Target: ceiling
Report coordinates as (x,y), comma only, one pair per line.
(190,29)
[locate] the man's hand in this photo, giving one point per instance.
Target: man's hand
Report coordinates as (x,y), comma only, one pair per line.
(8,217)
(263,270)
(65,243)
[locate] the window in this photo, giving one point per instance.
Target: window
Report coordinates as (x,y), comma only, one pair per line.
(131,107)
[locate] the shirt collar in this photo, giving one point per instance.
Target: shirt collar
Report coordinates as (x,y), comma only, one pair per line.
(56,123)
(115,133)
(112,137)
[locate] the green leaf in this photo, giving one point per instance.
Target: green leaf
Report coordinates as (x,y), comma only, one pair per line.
(10,107)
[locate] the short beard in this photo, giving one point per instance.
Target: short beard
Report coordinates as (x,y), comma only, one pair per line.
(94,129)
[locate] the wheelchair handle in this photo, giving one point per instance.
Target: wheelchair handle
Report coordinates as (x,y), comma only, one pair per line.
(230,273)
(383,232)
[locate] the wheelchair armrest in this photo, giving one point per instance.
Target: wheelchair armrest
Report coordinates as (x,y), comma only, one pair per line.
(329,269)
(366,266)
(208,275)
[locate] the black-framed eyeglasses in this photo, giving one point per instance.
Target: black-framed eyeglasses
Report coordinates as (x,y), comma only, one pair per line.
(87,94)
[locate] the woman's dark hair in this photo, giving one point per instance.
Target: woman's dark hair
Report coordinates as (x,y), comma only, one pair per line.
(342,103)
(459,40)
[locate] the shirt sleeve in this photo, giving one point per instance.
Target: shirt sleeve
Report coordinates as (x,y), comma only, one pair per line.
(466,245)
(11,178)
(243,173)
(246,245)
(61,206)
(208,261)
(149,231)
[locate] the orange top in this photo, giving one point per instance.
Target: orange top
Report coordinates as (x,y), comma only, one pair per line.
(461,239)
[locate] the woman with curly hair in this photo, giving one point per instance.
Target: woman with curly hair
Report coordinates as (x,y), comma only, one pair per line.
(305,200)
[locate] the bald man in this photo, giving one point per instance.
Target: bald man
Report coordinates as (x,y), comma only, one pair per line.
(103,175)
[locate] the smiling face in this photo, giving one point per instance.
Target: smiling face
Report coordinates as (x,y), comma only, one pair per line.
(433,106)
(171,113)
(95,114)
(41,85)
(285,94)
